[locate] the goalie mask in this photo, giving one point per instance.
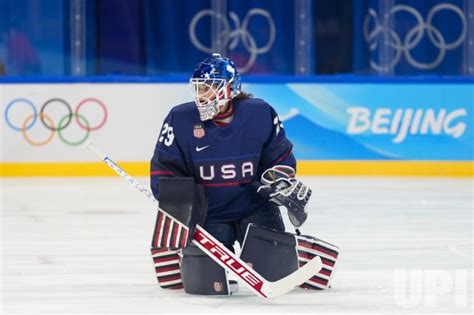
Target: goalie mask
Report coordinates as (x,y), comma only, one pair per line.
(215,81)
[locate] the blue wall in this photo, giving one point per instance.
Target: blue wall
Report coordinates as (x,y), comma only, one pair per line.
(147,37)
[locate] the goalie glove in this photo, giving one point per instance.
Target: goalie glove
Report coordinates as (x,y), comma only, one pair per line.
(279,185)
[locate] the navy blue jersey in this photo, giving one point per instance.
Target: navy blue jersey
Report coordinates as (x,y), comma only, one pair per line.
(225,160)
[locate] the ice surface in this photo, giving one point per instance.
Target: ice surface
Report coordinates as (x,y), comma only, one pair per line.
(82,246)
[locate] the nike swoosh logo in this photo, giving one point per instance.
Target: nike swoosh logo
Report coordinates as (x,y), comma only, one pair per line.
(198,149)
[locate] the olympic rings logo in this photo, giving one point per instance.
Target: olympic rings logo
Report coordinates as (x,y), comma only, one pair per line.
(48,122)
(413,37)
(231,37)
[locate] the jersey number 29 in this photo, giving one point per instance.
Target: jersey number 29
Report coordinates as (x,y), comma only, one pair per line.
(167,135)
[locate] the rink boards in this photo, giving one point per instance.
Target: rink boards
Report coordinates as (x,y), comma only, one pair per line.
(338,128)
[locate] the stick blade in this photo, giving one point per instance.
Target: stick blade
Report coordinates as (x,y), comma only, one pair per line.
(288,283)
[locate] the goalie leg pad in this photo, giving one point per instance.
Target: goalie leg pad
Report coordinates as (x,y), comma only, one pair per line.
(166,260)
(308,247)
(167,267)
(202,275)
(270,252)
(183,204)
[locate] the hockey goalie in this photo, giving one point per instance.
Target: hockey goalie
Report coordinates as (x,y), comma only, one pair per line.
(224,162)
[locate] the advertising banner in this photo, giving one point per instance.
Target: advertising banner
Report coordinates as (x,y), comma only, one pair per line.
(332,122)
(376,121)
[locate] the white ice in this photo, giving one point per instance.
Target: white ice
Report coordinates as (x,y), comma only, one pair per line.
(79,245)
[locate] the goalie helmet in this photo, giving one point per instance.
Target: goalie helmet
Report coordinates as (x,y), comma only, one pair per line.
(214,82)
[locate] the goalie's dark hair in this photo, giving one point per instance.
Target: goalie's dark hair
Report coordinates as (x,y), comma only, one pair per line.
(243,95)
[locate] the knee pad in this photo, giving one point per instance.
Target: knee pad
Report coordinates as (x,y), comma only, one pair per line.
(270,252)
(202,275)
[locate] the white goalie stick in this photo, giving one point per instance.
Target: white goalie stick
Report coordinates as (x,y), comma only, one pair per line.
(222,255)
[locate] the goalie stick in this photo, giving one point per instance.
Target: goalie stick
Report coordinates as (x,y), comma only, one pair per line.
(222,255)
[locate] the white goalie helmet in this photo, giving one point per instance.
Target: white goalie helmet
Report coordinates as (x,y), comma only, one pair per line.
(214,82)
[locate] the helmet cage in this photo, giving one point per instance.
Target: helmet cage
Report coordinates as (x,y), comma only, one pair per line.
(210,95)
